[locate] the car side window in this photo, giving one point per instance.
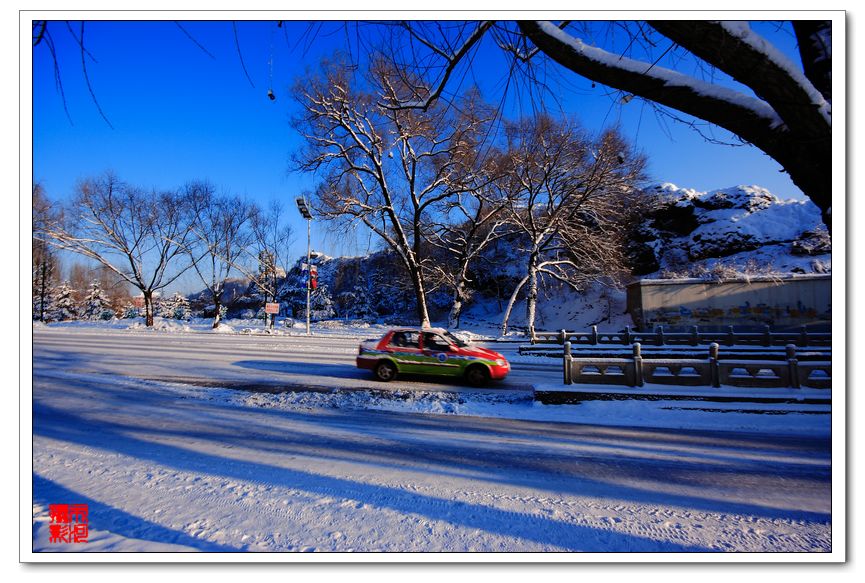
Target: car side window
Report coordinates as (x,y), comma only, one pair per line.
(435,342)
(405,340)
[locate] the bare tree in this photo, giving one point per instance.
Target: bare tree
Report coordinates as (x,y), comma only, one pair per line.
(142,237)
(46,265)
(219,229)
(783,109)
(382,166)
(568,192)
(264,257)
(467,224)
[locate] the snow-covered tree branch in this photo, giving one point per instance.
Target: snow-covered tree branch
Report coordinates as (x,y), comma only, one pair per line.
(568,193)
(385,167)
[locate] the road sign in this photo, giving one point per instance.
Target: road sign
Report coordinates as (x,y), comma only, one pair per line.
(271,308)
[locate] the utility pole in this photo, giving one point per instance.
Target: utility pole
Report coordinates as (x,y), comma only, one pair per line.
(304,212)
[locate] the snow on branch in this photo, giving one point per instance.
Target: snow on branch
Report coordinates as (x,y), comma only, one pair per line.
(736,49)
(722,105)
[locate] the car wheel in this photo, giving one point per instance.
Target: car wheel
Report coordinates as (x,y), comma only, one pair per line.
(477,376)
(385,371)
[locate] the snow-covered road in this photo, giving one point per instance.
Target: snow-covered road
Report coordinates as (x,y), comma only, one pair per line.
(245,360)
(166,466)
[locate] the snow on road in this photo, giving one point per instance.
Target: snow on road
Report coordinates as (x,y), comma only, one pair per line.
(165,465)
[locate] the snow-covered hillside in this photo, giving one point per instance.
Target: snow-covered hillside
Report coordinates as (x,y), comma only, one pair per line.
(742,228)
(719,233)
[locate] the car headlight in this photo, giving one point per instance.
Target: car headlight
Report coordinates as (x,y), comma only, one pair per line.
(501,362)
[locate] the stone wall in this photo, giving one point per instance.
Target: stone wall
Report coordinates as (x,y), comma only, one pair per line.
(781,303)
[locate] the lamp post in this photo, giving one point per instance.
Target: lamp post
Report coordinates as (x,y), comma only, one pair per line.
(304,212)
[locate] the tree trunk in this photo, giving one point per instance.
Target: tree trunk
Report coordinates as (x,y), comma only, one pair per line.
(532,295)
(511,303)
(457,308)
(43,289)
(420,296)
(217,304)
(148,307)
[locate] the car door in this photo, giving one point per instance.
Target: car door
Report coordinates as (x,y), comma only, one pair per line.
(404,347)
(439,355)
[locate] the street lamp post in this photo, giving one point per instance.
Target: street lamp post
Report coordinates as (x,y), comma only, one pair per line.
(304,212)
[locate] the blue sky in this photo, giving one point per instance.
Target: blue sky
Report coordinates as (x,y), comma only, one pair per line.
(179,114)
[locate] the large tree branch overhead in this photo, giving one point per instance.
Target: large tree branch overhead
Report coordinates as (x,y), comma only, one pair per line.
(735,49)
(815,48)
(788,120)
(746,116)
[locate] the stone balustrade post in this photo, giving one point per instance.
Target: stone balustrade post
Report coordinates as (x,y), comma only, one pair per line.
(567,364)
(793,363)
(638,364)
(714,371)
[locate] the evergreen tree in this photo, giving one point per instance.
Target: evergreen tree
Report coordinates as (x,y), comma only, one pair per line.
(175,307)
(63,305)
(356,303)
(181,307)
(292,292)
(321,304)
(45,276)
(97,305)
(130,311)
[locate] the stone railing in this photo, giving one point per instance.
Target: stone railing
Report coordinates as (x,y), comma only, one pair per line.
(694,337)
(710,372)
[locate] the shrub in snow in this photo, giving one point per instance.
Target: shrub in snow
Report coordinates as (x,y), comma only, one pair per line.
(719,271)
(818,266)
(813,242)
(130,311)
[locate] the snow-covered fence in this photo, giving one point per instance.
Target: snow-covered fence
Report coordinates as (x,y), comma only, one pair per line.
(710,372)
(694,337)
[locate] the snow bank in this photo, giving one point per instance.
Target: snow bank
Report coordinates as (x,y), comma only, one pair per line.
(795,419)
(161,325)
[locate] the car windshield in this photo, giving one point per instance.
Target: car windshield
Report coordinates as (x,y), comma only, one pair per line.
(454,340)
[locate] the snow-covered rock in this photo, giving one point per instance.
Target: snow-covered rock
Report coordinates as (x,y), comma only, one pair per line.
(686,227)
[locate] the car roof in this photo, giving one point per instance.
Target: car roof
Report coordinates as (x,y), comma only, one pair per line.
(419,329)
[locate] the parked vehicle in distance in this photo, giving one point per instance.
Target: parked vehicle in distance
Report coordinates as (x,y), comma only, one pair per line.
(430,351)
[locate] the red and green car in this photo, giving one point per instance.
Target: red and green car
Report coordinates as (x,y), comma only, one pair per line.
(430,351)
